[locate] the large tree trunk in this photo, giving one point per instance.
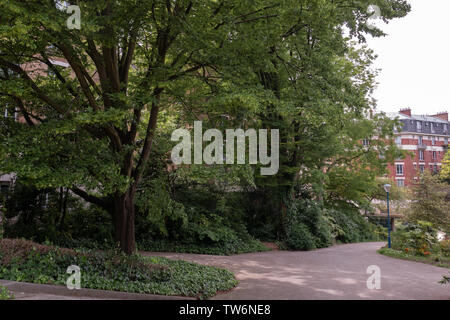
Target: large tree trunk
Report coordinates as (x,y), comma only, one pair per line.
(124,222)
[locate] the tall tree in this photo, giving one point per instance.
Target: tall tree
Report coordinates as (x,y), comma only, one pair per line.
(431,202)
(91,127)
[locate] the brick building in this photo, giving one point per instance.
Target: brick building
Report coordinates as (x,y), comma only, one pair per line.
(426,137)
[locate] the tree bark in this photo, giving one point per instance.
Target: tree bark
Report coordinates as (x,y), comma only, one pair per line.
(124,215)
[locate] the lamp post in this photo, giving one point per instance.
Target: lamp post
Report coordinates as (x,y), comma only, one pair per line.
(387,188)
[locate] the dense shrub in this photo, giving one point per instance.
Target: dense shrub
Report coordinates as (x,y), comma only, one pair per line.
(418,242)
(27,213)
(22,260)
(444,247)
(305,226)
(225,249)
(55,217)
(298,237)
(433,258)
(350,226)
(197,219)
(420,239)
(310,213)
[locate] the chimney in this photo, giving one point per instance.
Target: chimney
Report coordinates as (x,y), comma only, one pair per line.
(442,115)
(406,112)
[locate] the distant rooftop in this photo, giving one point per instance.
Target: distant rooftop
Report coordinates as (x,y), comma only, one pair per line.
(403,116)
(423,124)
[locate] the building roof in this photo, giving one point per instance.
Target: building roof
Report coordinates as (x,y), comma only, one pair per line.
(416,117)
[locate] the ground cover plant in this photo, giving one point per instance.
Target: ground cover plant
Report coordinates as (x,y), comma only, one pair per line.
(5,294)
(25,261)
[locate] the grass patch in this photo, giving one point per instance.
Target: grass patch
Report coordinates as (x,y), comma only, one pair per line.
(221,250)
(25,261)
(5,294)
(436,260)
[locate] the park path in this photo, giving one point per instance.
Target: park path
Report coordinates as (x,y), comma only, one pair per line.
(338,272)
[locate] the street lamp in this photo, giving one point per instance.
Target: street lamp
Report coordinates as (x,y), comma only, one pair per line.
(387,188)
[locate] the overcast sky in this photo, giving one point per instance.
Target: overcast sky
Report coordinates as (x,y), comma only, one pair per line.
(415,59)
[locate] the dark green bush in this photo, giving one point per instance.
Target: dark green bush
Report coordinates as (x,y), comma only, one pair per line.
(298,237)
(195,218)
(350,226)
(305,214)
(185,247)
(55,216)
(28,214)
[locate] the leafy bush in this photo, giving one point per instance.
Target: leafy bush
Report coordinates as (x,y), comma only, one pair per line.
(5,294)
(27,214)
(309,226)
(380,232)
(55,217)
(89,227)
(298,237)
(350,226)
(419,239)
(444,247)
(418,242)
(22,260)
(306,216)
(433,259)
(198,219)
(183,247)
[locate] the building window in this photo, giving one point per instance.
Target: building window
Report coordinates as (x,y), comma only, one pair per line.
(433,140)
(422,168)
(432,128)
(420,140)
(419,126)
(398,141)
(435,168)
(10,113)
(434,154)
(445,140)
(399,169)
(420,154)
(400,183)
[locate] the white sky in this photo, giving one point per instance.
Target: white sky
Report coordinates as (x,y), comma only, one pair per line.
(415,59)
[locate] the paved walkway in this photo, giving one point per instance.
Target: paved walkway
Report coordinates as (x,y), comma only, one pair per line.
(338,272)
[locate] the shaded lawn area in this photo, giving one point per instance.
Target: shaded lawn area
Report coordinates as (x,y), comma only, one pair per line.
(26,261)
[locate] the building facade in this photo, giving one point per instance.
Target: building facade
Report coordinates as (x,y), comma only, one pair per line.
(426,137)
